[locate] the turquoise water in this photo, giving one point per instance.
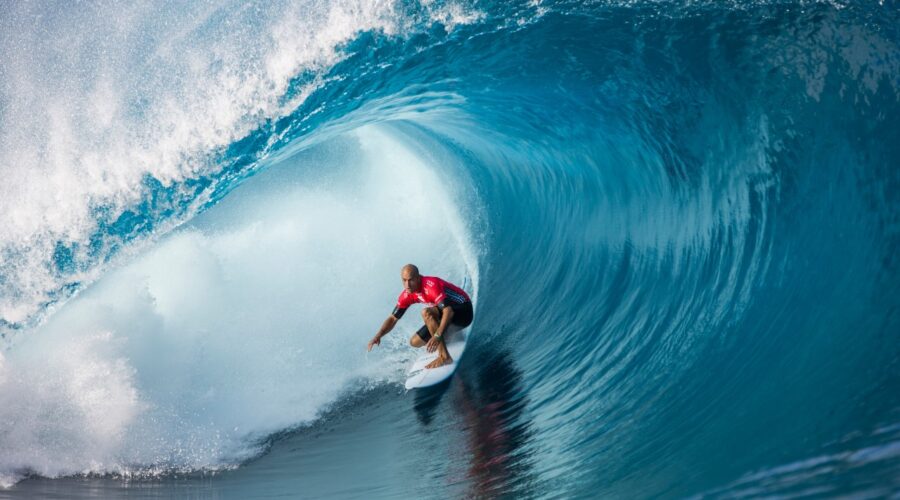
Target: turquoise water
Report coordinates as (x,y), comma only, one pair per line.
(681,223)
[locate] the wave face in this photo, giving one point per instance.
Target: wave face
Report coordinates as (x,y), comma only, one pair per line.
(681,222)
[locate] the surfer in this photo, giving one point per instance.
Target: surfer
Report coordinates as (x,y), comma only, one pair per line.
(446,304)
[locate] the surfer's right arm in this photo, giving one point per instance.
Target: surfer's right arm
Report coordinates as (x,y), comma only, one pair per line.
(386,327)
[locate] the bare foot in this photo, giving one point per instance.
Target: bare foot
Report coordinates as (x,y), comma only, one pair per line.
(440,361)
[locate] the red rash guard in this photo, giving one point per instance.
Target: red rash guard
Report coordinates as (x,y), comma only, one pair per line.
(433,292)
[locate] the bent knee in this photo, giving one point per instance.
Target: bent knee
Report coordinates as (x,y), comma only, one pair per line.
(416,341)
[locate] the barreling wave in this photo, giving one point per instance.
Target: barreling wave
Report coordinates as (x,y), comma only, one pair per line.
(681,220)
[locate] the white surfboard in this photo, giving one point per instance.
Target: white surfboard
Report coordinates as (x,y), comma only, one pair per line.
(418,376)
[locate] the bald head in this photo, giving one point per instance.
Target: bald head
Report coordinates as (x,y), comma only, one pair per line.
(412,280)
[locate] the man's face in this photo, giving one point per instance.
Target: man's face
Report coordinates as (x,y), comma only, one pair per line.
(411,281)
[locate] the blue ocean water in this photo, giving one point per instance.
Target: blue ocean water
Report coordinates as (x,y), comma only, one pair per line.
(681,222)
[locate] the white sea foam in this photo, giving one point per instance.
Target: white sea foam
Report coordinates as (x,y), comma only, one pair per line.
(251,320)
(95,97)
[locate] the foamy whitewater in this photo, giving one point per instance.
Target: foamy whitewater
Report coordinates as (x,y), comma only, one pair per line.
(680,222)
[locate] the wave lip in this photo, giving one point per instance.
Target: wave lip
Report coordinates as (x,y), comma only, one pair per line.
(153,114)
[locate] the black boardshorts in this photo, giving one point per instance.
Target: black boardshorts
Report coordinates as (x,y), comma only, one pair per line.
(462,317)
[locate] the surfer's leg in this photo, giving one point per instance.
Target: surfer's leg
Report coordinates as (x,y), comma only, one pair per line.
(432,318)
(416,339)
(430,315)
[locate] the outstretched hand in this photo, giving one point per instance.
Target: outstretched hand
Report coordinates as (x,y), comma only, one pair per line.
(374,342)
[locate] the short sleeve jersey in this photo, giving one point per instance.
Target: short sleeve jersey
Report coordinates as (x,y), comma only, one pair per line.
(434,292)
